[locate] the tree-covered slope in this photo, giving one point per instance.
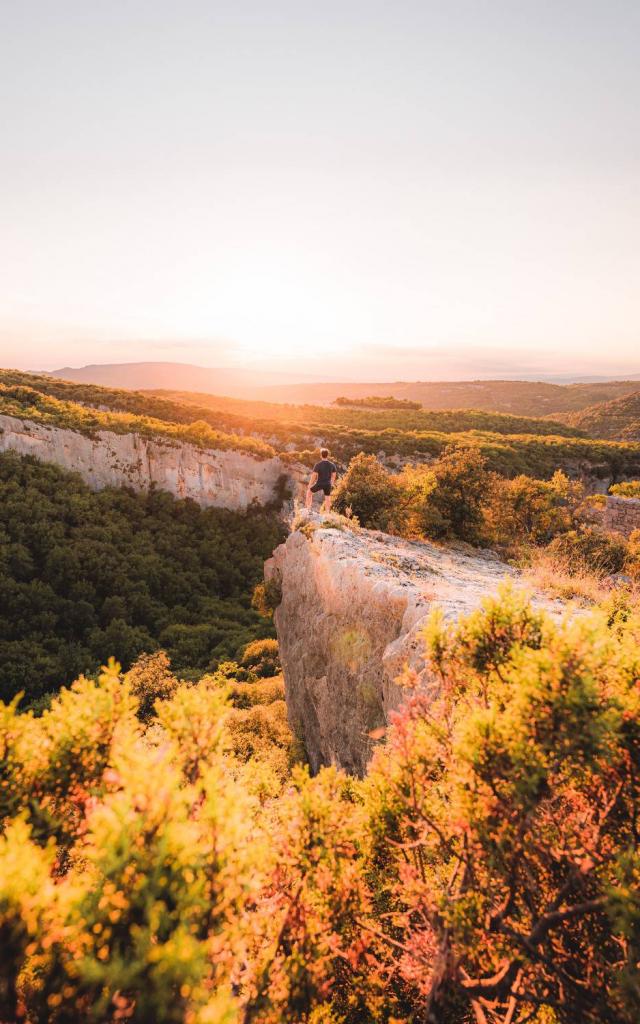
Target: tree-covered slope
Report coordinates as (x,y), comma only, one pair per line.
(40,404)
(511,444)
(522,397)
(618,420)
(287,423)
(86,575)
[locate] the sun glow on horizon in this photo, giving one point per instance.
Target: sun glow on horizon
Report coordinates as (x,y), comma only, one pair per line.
(388,191)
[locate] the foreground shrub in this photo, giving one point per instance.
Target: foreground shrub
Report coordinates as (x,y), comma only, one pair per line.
(486,870)
(502,823)
(26,893)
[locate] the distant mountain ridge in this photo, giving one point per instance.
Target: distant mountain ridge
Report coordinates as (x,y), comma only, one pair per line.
(523,398)
(517,397)
(182,376)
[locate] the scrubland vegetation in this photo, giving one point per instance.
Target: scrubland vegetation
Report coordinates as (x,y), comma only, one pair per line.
(530,398)
(511,444)
(542,525)
(85,576)
(618,418)
(164,858)
(165,855)
(627,489)
(29,403)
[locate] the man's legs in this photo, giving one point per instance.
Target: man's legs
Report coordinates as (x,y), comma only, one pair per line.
(327,503)
(308,501)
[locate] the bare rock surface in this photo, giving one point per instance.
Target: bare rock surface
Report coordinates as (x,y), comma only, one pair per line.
(228,479)
(352,609)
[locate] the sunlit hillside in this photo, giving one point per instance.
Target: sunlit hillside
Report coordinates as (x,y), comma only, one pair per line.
(617,420)
(511,444)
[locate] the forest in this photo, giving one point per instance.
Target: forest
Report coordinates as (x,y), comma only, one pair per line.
(85,576)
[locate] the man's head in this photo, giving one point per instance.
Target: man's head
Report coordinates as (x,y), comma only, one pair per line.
(324,453)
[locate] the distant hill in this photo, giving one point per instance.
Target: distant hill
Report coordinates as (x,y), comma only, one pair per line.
(181,376)
(617,420)
(521,398)
(510,444)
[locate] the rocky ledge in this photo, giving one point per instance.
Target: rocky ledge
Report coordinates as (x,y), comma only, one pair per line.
(228,479)
(352,607)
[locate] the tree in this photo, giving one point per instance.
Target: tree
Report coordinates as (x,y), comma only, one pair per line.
(531,511)
(368,492)
(449,496)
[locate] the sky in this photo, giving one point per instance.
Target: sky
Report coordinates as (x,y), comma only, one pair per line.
(371,190)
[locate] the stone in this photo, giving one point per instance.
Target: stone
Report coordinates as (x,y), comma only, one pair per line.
(228,479)
(354,604)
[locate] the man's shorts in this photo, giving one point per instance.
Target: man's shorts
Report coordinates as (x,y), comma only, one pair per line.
(321,487)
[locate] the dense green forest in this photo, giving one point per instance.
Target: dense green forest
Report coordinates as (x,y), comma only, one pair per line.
(85,576)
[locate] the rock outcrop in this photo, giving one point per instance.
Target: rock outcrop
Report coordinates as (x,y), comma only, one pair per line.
(617,515)
(352,608)
(229,479)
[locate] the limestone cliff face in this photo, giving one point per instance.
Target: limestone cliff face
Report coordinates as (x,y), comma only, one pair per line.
(352,608)
(228,479)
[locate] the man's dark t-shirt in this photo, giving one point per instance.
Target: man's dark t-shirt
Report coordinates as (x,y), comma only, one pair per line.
(325,470)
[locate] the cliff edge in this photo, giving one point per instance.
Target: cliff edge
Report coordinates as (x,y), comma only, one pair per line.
(352,607)
(228,479)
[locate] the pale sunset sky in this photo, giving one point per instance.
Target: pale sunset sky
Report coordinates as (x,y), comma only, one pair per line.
(373,190)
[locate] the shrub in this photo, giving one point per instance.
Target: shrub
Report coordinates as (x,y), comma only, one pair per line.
(370,493)
(486,869)
(502,826)
(266,597)
(26,894)
(261,658)
(531,511)
(589,548)
(628,489)
(448,499)
(150,680)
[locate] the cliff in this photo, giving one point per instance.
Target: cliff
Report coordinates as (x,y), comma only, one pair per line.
(228,479)
(352,608)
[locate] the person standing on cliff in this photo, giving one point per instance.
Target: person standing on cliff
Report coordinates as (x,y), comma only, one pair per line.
(322,479)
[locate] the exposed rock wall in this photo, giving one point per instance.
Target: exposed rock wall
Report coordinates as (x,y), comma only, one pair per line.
(621,515)
(352,608)
(228,479)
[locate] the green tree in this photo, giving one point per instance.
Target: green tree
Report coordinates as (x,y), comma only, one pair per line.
(368,492)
